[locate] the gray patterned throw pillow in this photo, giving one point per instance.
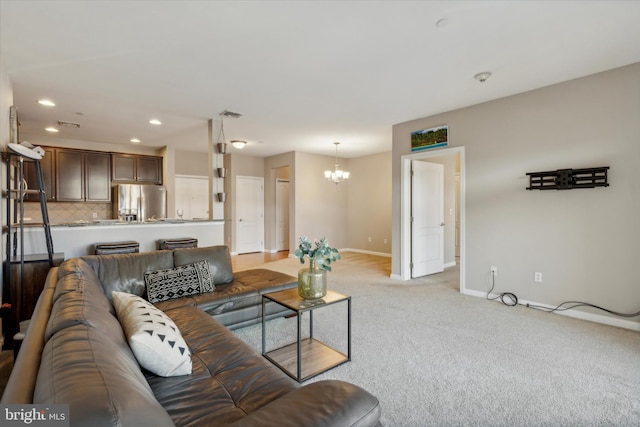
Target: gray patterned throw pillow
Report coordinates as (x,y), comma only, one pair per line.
(190,279)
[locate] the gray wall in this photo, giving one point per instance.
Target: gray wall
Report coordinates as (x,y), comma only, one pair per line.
(191,163)
(369,203)
(584,241)
(320,205)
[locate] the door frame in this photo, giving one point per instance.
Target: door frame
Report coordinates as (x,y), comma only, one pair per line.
(278,213)
(405,209)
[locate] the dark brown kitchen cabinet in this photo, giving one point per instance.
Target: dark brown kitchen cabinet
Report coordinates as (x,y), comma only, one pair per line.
(134,168)
(48,166)
(83,176)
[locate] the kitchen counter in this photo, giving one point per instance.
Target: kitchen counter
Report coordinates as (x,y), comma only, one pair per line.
(111,222)
(78,239)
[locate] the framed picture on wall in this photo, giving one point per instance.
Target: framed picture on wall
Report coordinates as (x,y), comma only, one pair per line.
(430,138)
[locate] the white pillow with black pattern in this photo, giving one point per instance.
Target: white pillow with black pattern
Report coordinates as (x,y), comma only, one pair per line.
(153,337)
(182,281)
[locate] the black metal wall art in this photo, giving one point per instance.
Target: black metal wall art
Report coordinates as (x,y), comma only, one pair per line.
(567,179)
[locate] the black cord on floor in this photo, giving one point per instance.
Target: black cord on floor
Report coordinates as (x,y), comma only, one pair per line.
(510,299)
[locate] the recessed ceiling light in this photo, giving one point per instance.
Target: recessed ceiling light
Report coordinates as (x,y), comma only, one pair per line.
(46,102)
(155,122)
(135,140)
(482,77)
(51,129)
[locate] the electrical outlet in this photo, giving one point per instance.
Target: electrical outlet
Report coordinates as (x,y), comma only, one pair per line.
(537,277)
(369,239)
(494,270)
(95,215)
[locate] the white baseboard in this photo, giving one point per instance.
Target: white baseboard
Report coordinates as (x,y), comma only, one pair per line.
(576,314)
(449,264)
(362,251)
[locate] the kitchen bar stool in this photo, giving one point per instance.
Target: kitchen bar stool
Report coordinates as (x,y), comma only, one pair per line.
(108,248)
(177,243)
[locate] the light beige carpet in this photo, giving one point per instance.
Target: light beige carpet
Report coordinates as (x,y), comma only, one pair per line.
(433,356)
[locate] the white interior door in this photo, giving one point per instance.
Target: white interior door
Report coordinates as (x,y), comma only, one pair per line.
(192,197)
(282,215)
(250,213)
(427,218)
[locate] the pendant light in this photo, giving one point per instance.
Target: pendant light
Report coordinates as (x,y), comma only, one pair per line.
(336,175)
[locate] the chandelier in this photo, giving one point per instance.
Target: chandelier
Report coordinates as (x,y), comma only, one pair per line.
(336,175)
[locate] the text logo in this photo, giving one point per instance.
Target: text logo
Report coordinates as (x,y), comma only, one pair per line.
(35,415)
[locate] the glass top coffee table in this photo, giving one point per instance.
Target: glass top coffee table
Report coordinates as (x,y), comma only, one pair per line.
(307,357)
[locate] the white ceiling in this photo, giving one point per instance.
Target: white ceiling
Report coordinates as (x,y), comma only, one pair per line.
(303,73)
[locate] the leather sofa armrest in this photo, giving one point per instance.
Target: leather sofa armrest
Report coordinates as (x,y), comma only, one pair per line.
(23,377)
(327,403)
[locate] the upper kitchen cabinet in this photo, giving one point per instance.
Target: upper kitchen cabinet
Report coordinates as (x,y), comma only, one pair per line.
(83,176)
(134,168)
(48,167)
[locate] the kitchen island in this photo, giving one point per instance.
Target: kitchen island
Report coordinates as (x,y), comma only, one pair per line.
(78,239)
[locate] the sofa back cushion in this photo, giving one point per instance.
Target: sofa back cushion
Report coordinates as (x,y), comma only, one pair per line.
(78,299)
(218,258)
(125,272)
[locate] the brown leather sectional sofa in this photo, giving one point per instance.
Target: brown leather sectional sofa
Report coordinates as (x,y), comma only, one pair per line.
(76,353)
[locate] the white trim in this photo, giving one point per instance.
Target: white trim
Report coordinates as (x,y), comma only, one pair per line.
(362,251)
(191,176)
(449,264)
(405,210)
(576,314)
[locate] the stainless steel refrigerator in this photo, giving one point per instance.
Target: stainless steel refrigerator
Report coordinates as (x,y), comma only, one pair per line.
(139,202)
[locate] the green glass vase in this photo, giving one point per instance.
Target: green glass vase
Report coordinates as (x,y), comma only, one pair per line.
(312,282)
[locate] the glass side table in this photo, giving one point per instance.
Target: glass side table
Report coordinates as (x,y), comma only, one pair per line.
(307,357)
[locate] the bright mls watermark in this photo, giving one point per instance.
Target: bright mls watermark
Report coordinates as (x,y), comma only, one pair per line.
(36,415)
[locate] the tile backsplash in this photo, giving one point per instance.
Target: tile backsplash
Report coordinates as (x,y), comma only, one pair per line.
(61,212)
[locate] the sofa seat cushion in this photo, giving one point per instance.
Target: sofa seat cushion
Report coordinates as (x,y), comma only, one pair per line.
(228,381)
(245,290)
(95,373)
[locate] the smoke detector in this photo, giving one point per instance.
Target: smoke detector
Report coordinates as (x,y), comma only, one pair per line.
(230,114)
(482,77)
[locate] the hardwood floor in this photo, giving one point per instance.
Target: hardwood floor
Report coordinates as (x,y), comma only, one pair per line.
(378,263)
(245,261)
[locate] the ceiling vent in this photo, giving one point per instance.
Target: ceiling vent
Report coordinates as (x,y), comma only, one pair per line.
(230,114)
(68,124)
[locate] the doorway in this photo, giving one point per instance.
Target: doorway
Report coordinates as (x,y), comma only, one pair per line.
(451,216)
(250,213)
(427,218)
(189,191)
